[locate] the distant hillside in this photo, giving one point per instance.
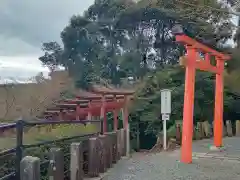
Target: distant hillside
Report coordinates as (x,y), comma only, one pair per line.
(30,100)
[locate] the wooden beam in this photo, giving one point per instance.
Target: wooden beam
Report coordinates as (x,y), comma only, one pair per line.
(201,65)
(195,44)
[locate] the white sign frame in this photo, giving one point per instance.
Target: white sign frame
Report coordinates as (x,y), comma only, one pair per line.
(166,101)
(165,117)
(165,111)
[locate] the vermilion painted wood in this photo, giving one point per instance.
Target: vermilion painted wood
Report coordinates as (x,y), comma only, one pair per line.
(187,131)
(197,45)
(115,115)
(192,63)
(104,100)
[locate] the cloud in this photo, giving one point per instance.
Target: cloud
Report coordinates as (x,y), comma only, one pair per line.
(20,68)
(25,25)
(14,46)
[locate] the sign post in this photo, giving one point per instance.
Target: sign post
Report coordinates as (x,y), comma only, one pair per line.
(165,111)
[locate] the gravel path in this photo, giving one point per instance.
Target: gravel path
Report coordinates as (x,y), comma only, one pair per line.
(165,165)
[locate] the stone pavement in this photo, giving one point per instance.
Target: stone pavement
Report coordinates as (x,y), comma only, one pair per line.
(207,165)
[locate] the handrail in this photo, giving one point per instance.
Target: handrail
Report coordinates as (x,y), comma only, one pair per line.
(20,146)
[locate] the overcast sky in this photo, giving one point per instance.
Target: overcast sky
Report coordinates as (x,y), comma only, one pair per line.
(25,25)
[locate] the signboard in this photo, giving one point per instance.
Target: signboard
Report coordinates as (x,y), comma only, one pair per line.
(165,117)
(166,111)
(166,101)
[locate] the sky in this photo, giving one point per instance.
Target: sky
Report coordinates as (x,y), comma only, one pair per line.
(25,25)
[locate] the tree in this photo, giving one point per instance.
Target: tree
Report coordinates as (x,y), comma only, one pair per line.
(39,78)
(52,55)
(115,39)
(148,98)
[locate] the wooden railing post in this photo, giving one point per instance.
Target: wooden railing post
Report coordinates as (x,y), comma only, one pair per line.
(76,161)
(119,147)
(237,127)
(123,142)
(93,158)
(113,145)
(103,153)
(30,168)
(108,150)
(113,138)
(56,165)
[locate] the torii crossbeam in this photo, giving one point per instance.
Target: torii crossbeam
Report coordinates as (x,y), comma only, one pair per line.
(192,61)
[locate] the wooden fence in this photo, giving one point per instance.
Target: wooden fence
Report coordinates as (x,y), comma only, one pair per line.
(87,159)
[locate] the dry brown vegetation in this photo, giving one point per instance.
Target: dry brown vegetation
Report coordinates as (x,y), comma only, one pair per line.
(30,100)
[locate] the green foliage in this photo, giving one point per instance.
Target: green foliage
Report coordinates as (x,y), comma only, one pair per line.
(116,39)
(7,163)
(148,98)
(52,55)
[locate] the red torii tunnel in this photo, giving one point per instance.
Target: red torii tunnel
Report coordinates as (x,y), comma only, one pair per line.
(97,103)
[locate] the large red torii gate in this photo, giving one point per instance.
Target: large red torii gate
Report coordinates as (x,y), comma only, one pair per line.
(192,61)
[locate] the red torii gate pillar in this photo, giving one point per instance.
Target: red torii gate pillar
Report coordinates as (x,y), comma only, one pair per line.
(115,115)
(192,61)
(89,115)
(218,112)
(77,112)
(103,114)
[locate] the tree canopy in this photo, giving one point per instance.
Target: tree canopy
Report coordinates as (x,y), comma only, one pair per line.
(116,39)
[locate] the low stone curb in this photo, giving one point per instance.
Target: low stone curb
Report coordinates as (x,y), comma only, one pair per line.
(215,156)
(218,149)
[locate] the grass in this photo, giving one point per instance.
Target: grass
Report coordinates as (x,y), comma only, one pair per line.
(40,134)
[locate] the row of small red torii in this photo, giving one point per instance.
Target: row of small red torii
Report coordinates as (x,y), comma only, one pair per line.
(97,103)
